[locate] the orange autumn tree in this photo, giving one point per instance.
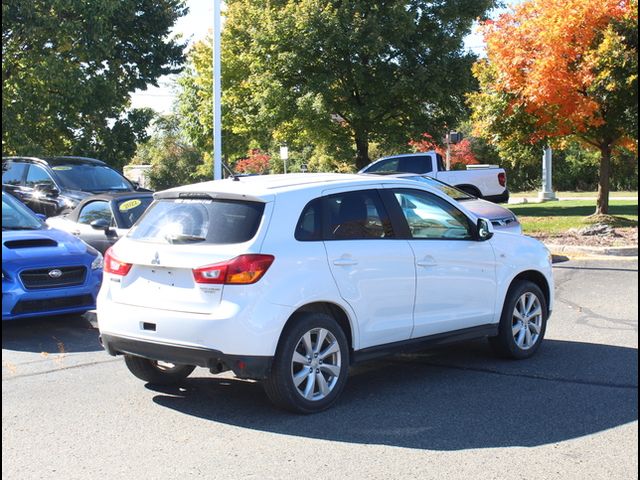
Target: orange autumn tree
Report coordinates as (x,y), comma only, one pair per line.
(256,163)
(570,67)
(461,153)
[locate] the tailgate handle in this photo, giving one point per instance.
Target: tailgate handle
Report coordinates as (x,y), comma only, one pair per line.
(345,262)
(428,261)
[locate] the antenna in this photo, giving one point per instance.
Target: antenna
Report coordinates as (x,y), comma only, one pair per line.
(230,172)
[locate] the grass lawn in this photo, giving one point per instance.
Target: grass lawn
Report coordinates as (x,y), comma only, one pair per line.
(574,194)
(557,217)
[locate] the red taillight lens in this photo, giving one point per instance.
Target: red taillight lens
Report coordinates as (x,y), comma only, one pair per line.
(242,270)
(502,179)
(114,266)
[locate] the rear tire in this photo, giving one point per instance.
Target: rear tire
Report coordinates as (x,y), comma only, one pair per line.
(155,372)
(523,322)
(311,365)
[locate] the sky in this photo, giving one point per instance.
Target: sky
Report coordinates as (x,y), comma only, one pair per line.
(196,25)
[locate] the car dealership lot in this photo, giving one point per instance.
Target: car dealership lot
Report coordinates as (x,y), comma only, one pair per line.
(70,410)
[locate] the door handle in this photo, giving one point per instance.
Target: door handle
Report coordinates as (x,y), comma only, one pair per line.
(345,262)
(427,261)
(75,232)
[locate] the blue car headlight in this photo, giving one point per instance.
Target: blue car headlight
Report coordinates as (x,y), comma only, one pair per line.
(98,262)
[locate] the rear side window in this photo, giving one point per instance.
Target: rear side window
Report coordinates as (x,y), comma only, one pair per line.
(309,226)
(13,172)
(355,215)
(185,221)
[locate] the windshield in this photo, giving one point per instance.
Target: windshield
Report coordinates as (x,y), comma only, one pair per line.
(448,190)
(16,216)
(199,221)
(131,209)
(90,178)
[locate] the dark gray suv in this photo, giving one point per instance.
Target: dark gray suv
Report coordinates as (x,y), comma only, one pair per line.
(55,185)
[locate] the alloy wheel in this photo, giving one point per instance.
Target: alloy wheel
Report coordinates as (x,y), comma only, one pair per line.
(527,321)
(316,363)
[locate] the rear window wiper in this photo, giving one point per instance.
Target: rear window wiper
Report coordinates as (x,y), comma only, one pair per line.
(184,238)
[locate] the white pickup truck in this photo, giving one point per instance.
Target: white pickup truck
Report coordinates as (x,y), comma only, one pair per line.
(483,181)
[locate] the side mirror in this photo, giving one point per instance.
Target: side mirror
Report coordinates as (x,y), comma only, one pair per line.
(41,216)
(101,224)
(485,229)
(47,189)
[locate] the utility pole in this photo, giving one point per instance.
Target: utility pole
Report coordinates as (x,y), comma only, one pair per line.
(217,92)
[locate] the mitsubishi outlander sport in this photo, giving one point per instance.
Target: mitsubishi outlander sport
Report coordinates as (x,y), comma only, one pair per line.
(290,279)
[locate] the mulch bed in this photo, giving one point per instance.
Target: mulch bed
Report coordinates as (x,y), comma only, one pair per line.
(621,237)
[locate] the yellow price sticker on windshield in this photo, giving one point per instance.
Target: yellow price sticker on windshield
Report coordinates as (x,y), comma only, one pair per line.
(61,167)
(129,204)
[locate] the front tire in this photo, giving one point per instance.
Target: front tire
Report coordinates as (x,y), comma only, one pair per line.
(311,365)
(158,373)
(523,322)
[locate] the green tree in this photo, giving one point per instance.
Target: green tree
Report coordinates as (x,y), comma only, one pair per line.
(68,68)
(337,75)
(174,161)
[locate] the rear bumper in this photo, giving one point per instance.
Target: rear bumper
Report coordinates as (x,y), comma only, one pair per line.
(251,367)
(502,198)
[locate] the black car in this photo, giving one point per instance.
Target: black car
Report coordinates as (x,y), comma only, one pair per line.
(55,185)
(101,220)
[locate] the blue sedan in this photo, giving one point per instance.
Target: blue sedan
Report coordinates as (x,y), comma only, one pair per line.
(44,271)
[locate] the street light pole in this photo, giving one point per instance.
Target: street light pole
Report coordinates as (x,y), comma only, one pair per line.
(217,92)
(547,192)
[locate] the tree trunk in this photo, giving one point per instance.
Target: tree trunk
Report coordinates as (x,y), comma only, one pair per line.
(602,205)
(362,149)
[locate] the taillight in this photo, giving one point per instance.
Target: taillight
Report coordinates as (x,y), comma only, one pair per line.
(242,270)
(502,179)
(114,266)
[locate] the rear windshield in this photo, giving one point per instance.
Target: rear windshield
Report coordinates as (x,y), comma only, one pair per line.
(186,221)
(413,164)
(131,209)
(90,178)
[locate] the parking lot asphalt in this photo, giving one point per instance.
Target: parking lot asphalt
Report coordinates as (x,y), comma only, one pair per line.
(71,411)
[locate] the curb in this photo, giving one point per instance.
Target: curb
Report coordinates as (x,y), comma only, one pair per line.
(592,251)
(534,200)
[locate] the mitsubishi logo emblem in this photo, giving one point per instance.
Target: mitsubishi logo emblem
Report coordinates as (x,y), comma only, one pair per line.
(156,259)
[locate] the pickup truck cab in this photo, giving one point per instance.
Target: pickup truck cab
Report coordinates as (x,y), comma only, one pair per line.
(488,182)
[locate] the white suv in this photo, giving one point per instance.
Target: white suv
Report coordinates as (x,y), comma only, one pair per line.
(290,279)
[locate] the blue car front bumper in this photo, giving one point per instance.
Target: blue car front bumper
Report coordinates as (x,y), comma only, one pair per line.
(19,302)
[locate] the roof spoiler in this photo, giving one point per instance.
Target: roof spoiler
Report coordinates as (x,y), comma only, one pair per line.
(195,195)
